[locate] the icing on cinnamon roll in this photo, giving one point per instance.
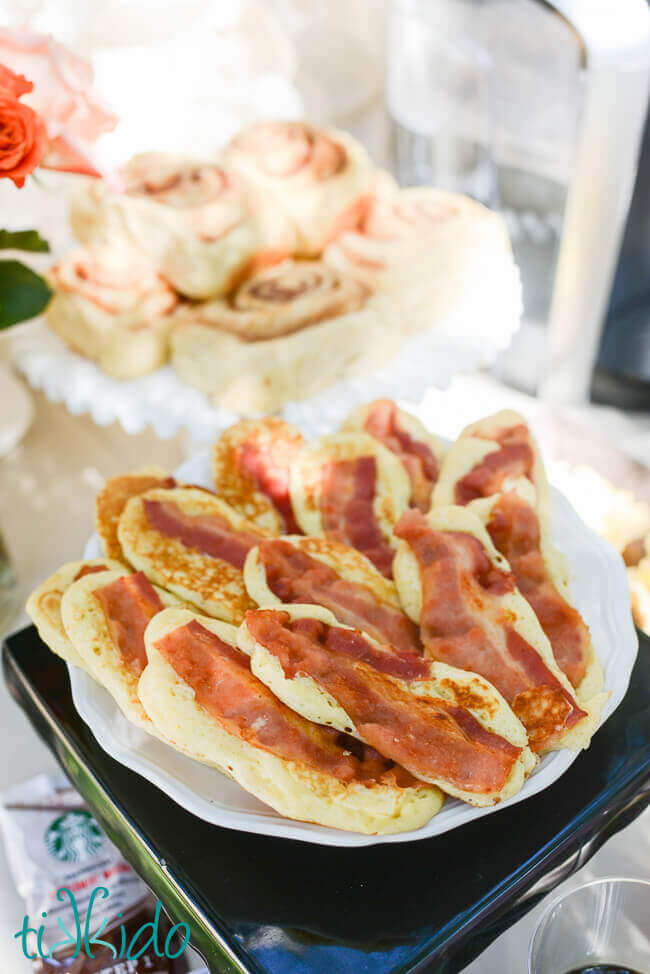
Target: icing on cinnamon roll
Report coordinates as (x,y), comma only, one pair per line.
(322,179)
(112,307)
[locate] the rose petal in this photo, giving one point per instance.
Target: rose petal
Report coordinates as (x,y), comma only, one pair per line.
(13,84)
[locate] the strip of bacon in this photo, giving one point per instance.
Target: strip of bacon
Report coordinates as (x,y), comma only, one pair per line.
(294,576)
(431,738)
(514,458)
(269,471)
(515,530)
(208,533)
(89,570)
(418,459)
(225,687)
(462,623)
(129,603)
(347,498)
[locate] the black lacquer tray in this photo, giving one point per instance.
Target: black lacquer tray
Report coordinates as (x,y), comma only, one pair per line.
(258,904)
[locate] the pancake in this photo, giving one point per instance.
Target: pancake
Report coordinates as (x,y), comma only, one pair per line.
(495,468)
(104,616)
(460,590)
(296,569)
(112,498)
(419,451)
(193,544)
(446,726)
(44,605)
(516,460)
(200,693)
(352,488)
(250,468)
(541,573)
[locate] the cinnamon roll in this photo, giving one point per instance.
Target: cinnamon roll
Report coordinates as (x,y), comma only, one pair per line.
(113,308)
(286,333)
(191,217)
(285,299)
(444,256)
(322,179)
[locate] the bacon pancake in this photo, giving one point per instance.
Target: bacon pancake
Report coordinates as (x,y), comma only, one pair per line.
(199,691)
(507,488)
(44,604)
(351,488)
(112,498)
(445,726)
(404,435)
(461,591)
(325,572)
(540,573)
(105,615)
(490,456)
(193,544)
(250,468)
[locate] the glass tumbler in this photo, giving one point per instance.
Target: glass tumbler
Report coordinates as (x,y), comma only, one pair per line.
(603,926)
(437,94)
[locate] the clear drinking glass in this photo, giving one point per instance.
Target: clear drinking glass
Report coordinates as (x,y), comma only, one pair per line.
(603,926)
(485,98)
(437,93)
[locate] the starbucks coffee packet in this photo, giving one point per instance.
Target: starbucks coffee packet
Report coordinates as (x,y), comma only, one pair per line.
(86,910)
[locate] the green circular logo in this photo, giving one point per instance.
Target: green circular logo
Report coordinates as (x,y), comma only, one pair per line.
(73,837)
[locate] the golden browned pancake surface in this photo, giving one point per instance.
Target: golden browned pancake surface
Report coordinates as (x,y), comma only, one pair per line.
(112,499)
(212,584)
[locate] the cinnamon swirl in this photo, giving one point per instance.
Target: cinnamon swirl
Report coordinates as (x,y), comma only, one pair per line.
(284,299)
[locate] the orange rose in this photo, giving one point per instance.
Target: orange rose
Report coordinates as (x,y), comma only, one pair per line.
(22,139)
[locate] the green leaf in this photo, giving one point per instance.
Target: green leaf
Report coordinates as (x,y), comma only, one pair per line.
(23,293)
(23,240)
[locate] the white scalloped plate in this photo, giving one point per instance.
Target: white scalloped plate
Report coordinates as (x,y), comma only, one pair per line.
(599,587)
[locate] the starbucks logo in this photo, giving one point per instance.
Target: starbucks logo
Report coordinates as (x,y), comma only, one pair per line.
(73,837)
